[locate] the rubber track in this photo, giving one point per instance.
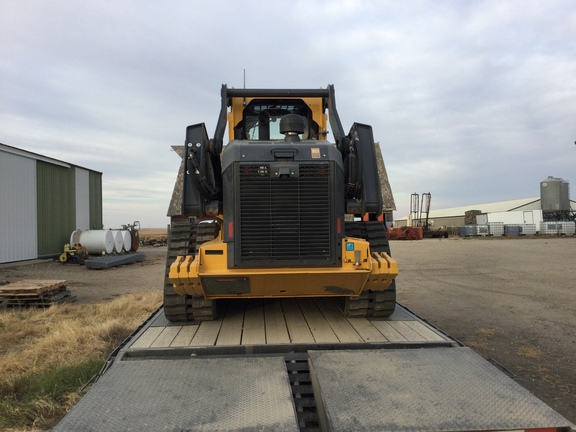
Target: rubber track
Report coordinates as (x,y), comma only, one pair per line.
(371,304)
(181,241)
(184,239)
(373,231)
(202,309)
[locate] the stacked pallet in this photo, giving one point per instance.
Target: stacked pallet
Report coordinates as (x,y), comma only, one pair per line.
(35,293)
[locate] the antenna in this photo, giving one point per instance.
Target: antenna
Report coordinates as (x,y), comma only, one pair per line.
(244,101)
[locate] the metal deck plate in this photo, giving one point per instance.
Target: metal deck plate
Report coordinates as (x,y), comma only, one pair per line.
(240,394)
(432,389)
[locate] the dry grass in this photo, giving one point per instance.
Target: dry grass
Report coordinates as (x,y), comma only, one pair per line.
(40,349)
(486,331)
(147,234)
(529,352)
(480,338)
(32,340)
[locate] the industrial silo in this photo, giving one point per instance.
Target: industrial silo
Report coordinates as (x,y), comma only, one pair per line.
(555,198)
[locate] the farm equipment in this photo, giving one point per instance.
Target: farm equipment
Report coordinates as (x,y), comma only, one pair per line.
(420,219)
(77,254)
(264,216)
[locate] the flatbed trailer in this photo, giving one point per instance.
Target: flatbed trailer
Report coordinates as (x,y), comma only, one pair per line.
(301,365)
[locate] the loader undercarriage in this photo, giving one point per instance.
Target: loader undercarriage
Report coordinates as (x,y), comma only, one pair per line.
(186,238)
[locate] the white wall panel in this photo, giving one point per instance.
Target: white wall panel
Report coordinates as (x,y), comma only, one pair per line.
(18,207)
(82,199)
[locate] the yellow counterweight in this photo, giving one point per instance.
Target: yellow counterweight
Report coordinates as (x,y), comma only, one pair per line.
(207,274)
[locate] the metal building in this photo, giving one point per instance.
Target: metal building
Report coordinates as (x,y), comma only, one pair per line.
(554,203)
(456,216)
(42,200)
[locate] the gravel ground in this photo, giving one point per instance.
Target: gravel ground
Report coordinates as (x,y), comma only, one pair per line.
(94,285)
(512,300)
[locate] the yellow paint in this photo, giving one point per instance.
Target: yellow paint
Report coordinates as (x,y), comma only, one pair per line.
(375,271)
(239,103)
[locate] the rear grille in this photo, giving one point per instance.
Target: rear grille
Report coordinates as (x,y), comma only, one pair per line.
(285,220)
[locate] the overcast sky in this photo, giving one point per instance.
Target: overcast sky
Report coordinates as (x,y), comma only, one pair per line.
(473,101)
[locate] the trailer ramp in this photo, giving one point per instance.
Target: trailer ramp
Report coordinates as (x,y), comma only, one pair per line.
(209,394)
(424,389)
(301,365)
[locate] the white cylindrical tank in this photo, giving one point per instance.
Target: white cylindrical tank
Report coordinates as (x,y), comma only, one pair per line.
(96,241)
(118,241)
(75,237)
(127,238)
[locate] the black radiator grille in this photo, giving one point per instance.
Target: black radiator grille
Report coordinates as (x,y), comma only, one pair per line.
(285,219)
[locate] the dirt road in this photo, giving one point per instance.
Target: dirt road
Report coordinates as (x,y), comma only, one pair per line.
(514,301)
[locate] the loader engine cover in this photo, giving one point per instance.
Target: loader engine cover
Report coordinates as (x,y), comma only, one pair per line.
(282,203)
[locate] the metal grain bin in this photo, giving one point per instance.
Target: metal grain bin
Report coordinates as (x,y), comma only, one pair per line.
(555,194)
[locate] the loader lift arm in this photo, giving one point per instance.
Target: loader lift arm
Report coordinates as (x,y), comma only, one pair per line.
(357,148)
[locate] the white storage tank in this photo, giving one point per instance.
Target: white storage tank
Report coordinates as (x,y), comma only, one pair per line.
(529,229)
(496,228)
(468,231)
(568,227)
(512,230)
(482,230)
(482,219)
(118,241)
(97,242)
(127,238)
(123,239)
(550,228)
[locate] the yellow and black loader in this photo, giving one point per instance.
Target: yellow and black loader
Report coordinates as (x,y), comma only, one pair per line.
(279,211)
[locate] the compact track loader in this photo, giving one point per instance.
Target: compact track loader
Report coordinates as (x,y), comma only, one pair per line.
(280,211)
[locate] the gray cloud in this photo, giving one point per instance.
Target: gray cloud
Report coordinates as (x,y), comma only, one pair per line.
(472,101)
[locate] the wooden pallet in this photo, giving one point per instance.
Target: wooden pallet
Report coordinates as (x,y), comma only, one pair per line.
(35,293)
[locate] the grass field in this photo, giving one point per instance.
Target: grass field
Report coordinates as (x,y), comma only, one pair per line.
(46,355)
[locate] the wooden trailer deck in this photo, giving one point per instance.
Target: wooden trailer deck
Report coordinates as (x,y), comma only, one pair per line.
(306,322)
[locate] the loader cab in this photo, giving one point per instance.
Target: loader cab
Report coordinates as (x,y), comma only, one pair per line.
(259,119)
